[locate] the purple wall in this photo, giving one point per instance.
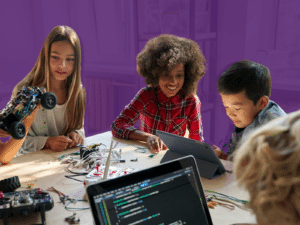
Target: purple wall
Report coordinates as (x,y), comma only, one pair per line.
(112,33)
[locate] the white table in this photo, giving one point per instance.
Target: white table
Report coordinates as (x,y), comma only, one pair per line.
(43,169)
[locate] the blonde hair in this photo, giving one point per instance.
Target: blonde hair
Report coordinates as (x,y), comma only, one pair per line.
(40,74)
(268,165)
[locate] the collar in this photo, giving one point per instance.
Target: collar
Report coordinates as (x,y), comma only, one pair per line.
(262,112)
(162,98)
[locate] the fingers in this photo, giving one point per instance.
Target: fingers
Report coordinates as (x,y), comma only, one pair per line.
(60,146)
(72,144)
(64,139)
(59,143)
(164,147)
(81,141)
(76,139)
(155,143)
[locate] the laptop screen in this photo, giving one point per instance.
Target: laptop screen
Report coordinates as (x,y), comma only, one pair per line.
(170,197)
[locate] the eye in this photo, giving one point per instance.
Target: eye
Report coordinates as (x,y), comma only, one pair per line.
(238,109)
(70,59)
(179,75)
(54,57)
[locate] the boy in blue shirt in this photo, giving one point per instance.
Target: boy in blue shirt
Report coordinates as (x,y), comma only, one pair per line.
(245,89)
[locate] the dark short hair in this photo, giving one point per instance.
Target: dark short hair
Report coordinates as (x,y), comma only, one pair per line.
(248,76)
(163,53)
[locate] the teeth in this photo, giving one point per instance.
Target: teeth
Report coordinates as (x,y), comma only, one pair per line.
(172,88)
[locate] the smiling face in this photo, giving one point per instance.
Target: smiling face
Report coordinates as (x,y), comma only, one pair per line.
(242,110)
(62,60)
(172,82)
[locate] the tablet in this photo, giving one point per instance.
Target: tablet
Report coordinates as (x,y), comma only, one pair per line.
(209,164)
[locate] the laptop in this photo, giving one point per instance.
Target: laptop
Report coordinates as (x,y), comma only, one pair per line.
(170,193)
(209,164)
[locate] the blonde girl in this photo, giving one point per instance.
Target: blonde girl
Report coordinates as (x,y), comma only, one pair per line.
(57,69)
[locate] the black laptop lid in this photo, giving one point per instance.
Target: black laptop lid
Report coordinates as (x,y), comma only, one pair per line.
(170,193)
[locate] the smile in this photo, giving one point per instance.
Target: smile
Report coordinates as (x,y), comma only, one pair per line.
(172,88)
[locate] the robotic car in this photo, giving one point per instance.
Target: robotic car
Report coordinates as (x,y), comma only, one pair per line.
(21,106)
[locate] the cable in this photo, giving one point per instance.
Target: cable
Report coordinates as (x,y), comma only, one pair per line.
(78,174)
(75,200)
(71,177)
(75,173)
(227,196)
(139,149)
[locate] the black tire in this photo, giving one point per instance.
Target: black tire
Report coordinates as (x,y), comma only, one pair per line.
(10,184)
(48,100)
(17,130)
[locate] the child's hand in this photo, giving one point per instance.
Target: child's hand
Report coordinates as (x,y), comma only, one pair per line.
(58,143)
(4,133)
(217,150)
(219,153)
(155,144)
(76,139)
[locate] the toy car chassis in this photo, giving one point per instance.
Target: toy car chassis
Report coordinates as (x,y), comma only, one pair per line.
(18,108)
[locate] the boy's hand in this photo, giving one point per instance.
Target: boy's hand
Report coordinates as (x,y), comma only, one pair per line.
(58,143)
(155,144)
(217,150)
(76,139)
(219,153)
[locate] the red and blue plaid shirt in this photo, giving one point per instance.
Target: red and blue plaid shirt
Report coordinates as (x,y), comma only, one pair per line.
(158,112)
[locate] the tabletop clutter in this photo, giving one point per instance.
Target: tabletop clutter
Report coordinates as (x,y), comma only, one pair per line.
(98,162)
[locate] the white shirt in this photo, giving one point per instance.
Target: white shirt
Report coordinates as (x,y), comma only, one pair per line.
(47,123)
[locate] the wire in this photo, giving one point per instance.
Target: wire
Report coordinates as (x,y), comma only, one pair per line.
(78,174)
(227,196)
(75,173)
(75,200)
(71,177)
(140,150)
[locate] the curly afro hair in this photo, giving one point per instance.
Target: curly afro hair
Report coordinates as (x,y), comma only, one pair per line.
(161,54)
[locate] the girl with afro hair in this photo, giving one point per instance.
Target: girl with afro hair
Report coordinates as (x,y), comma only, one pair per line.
(172,67)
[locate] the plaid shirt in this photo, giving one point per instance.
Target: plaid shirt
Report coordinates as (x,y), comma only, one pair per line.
(173,115)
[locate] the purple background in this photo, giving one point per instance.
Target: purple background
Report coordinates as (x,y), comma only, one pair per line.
(113,32)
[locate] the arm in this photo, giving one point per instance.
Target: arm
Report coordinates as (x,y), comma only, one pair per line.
(122,127)
(155,144)
(10,148)
(194,121)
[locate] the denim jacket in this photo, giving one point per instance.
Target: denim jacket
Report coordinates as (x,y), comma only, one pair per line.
(271,112)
